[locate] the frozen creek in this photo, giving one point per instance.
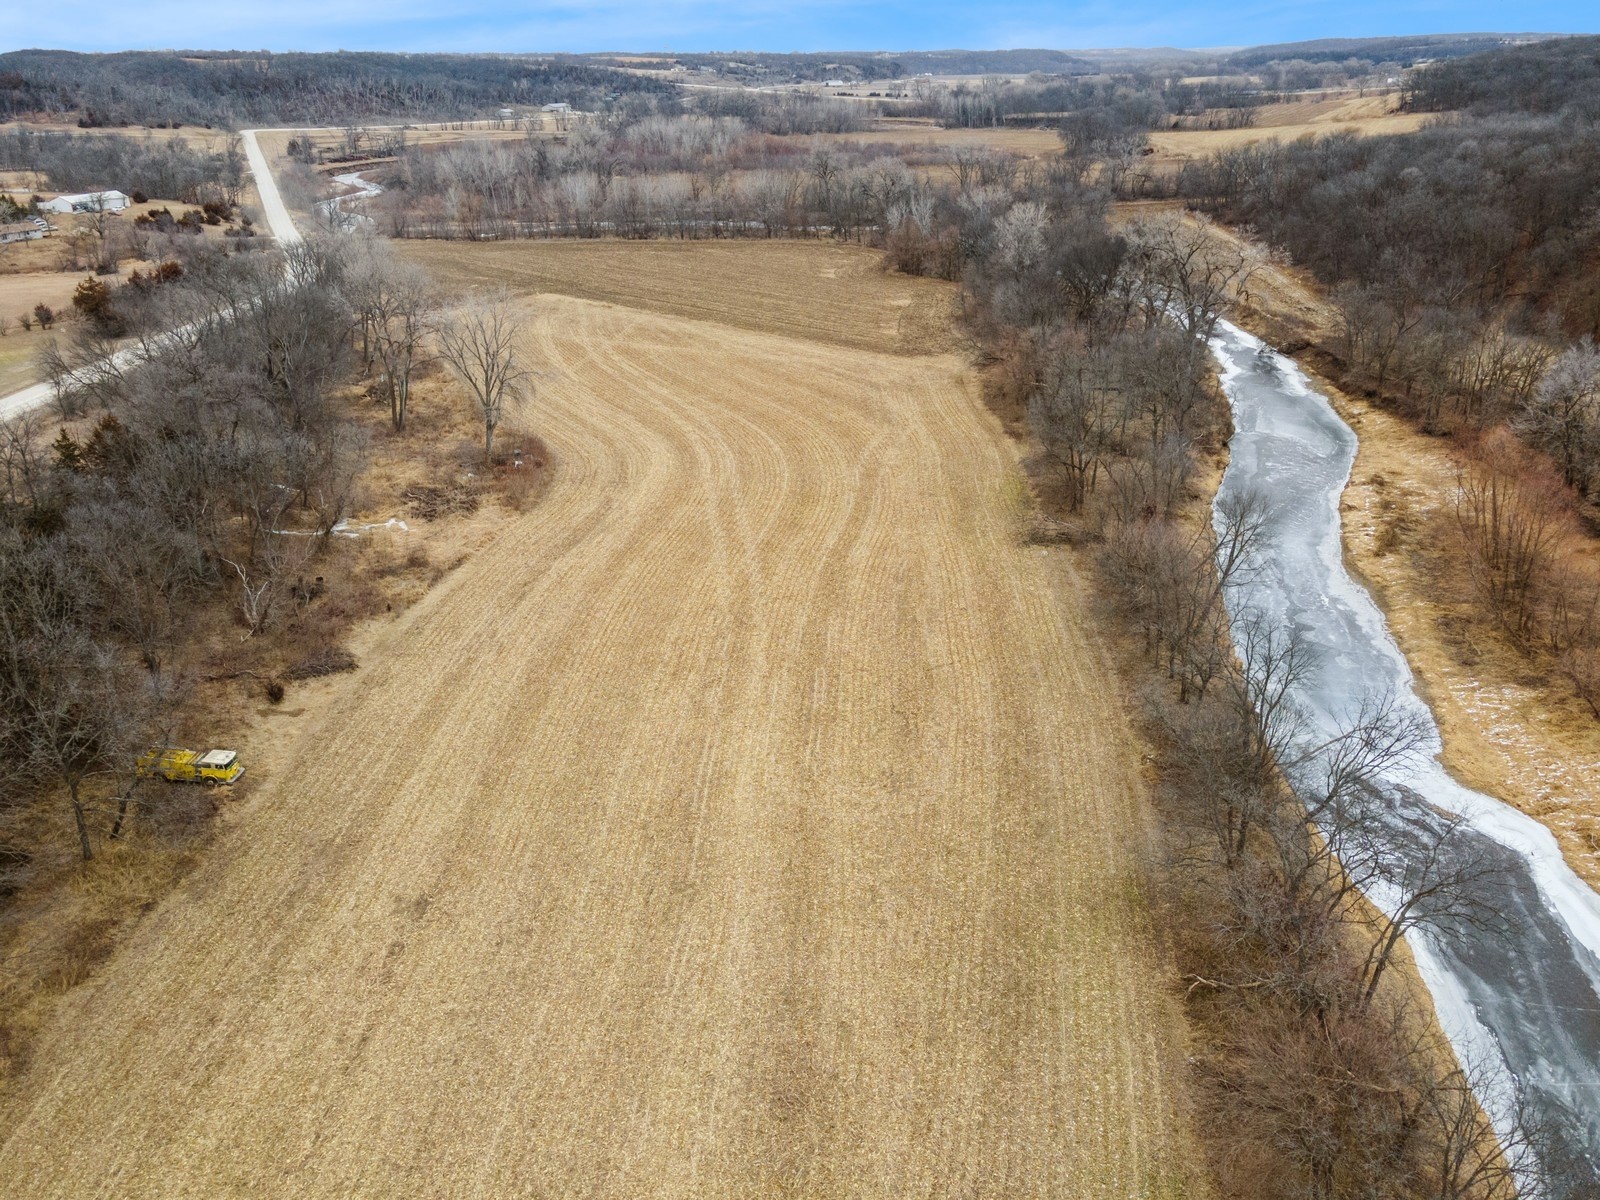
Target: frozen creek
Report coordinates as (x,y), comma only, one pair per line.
(1526,1006)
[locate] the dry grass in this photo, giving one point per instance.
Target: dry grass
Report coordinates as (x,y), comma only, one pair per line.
(814,290)
(1510,729)
(19,348)
(275,143)
(753,817)
(19,357)
(1364,115)
(211,139)
(19,293)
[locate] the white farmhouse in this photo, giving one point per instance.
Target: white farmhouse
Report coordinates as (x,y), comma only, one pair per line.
(84,202)
(21,231)
(557,108)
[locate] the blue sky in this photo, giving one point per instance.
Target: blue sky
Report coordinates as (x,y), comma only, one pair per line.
(576,25)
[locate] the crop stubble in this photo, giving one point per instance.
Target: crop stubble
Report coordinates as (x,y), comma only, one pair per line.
(751,817)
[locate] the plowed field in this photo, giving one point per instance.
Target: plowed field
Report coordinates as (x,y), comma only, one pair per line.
(752,817)
(813,290)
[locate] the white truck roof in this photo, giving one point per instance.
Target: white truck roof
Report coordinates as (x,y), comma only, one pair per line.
(217,758)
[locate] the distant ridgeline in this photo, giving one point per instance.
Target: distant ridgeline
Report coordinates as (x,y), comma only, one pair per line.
(763,67)
(1403,51)
(234,89)
(238,88)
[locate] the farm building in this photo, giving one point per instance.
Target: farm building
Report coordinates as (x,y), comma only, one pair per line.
(557,108)
(83,202)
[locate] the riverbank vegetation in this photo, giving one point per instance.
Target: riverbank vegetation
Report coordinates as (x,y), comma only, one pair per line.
(1462,263)
(1318,1072)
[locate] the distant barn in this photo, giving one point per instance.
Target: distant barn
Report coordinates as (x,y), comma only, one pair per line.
(83,202)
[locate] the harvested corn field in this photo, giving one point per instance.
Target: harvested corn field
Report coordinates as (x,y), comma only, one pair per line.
(752,817)
(814,290)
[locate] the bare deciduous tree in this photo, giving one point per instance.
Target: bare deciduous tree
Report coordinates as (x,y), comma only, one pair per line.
(1189,272)
(479,341)
(394,304)
(1509,513)
(72,711)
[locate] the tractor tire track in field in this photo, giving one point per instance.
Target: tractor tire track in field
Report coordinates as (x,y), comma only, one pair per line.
(752,817)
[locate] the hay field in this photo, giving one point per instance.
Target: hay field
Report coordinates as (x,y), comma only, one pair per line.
(754,816)
(814,290)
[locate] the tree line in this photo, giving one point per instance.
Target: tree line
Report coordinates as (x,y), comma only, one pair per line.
(171,168)
(689,176)
(200,482)
(234,90)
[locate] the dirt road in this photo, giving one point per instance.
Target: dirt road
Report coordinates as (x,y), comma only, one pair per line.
(751,818)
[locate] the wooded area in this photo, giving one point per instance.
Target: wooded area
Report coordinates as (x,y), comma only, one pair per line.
(234,90)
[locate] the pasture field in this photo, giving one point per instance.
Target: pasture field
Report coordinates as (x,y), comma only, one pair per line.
(753,816)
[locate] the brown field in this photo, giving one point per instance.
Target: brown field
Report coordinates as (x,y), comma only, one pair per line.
(18,361)
(1364,115)
(275,142)
(19,350)
(814,290)
(19,293)
(754,816)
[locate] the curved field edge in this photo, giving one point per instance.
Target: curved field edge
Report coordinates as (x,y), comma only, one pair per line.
(755,815)
(819,291)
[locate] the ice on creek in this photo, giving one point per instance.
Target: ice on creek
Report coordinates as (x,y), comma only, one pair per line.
(1525,1009)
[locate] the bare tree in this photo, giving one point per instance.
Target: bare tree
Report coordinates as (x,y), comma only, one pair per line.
(1190,273)
(1510,517)
(394,304)
(1076,413)
(72,711)
(1441,876)
(479,341)
(1469,1160)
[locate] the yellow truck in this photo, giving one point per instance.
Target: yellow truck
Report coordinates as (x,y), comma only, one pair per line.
(213,768)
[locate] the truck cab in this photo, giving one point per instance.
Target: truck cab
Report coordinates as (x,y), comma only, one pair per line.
(212,768)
